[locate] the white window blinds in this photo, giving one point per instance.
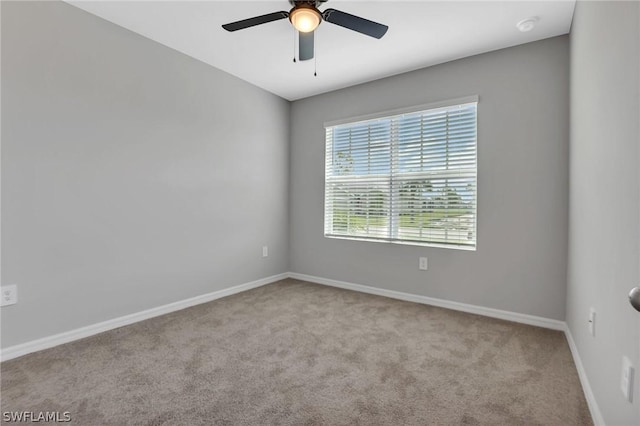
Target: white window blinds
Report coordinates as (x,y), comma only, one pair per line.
(407,178)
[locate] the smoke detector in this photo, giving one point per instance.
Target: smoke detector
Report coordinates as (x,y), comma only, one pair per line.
(528,24)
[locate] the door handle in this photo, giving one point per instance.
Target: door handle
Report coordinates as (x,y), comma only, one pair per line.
(634,298)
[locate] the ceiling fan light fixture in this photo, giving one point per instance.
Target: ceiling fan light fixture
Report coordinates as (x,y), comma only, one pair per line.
(305,18)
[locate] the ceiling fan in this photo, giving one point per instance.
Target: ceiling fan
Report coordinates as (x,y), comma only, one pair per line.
(305,17)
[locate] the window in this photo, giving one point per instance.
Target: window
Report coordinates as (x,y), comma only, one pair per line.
(408,177)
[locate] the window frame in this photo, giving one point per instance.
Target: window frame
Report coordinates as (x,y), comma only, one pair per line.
(391,114)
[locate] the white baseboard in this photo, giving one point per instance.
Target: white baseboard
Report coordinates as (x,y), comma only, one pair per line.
(596,415)
(474,309)
(90,330)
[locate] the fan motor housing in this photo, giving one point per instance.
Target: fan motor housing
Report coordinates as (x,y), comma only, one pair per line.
(312,3)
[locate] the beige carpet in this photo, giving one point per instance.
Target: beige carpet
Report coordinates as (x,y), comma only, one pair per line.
(300,353)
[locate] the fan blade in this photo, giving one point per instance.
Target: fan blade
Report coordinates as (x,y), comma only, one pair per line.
(355,23)
(257,20)
(305,42)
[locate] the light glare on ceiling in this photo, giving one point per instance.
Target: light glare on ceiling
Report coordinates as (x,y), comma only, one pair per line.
(305,19)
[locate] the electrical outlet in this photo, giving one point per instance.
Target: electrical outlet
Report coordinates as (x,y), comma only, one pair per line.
(265,251)
(423,264)
(592,322)
(626,381)
(9,295)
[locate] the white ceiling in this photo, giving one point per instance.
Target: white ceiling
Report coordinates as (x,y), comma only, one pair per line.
(421,33)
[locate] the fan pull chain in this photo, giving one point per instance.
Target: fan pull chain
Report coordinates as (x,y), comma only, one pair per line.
(294,45)
(315,56)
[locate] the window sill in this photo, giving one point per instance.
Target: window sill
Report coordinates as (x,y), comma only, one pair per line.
(404,243)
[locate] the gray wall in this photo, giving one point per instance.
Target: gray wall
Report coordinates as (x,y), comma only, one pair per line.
(604,253)
(132,175)
(523,115)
